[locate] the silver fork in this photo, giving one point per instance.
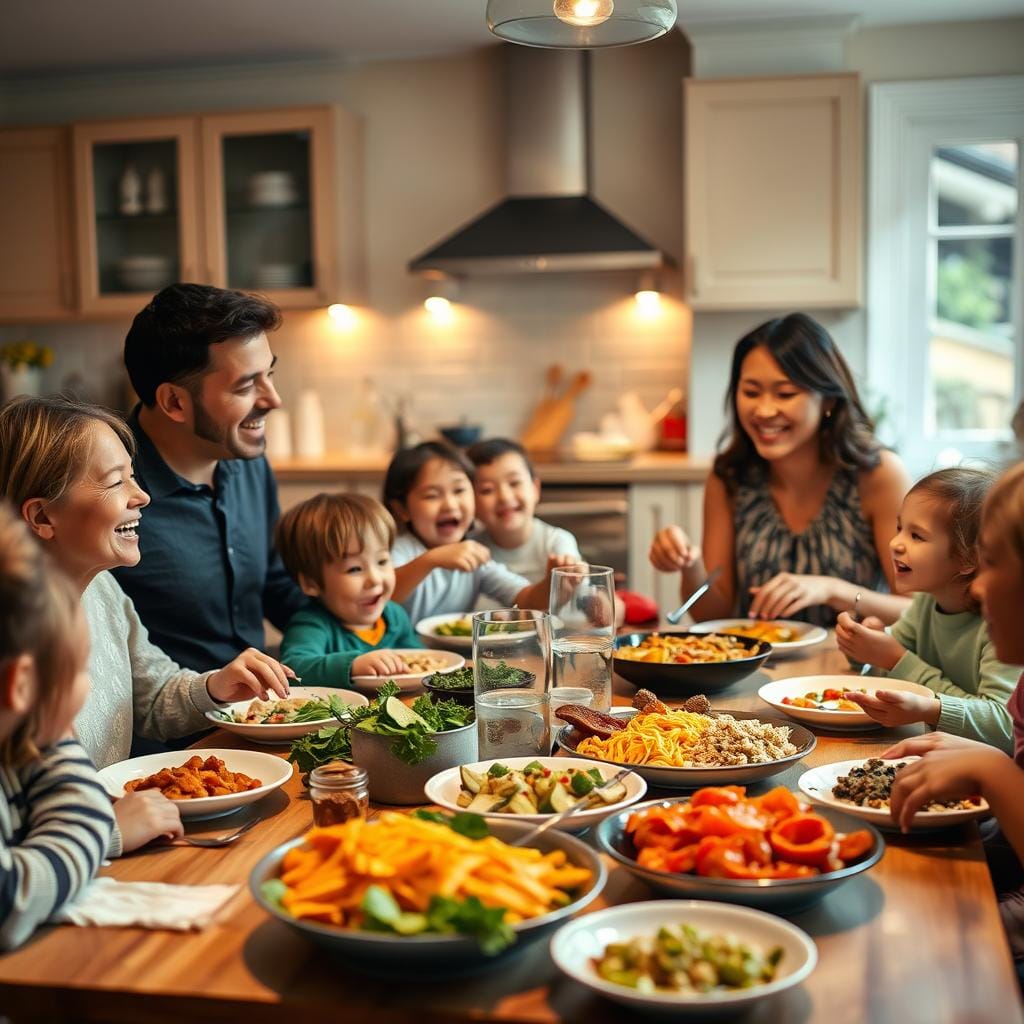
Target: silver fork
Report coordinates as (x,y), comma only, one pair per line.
(224,840)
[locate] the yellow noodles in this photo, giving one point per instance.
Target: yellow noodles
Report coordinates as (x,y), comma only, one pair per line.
(660,740)
(684,650)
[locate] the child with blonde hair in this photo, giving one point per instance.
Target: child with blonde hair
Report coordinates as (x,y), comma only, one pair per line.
(940,641)
(338,548)
(56,818)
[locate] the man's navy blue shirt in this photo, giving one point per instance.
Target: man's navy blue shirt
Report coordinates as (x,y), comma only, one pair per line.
(208,574)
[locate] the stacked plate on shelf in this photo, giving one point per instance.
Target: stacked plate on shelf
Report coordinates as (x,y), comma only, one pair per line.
(144,273)
(278,275)
(273,188)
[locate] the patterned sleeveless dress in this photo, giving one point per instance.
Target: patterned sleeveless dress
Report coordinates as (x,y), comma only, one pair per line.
(838,542)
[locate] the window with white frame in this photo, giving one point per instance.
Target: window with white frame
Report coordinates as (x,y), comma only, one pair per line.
(945,298)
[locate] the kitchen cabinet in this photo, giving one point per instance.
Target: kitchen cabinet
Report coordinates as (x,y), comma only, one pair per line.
(136,204)
(36,259)
(773,192)
(243,200)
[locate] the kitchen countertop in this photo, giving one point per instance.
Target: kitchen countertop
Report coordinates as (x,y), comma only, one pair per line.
(648,467)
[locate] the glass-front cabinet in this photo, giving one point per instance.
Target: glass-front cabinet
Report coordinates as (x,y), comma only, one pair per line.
(242,200)
(270,203)
(137,202)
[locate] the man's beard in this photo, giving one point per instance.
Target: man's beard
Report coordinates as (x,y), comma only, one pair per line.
(205,427)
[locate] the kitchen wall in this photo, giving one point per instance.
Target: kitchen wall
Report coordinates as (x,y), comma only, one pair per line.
(434,159)
(884,54)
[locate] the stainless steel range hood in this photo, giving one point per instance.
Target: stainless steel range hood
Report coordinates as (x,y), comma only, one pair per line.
(549,222)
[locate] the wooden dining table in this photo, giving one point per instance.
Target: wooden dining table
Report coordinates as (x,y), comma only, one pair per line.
(915,939)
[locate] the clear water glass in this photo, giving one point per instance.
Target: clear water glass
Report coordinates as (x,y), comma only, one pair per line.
(582,611)
(512,682)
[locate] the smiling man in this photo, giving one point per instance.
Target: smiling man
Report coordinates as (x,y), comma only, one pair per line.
(200,362)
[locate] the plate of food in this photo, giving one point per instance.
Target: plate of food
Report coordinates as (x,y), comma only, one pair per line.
(274,721)
(862,788)
(679,663)
(451,632)
(684,748)
(420,664)
(819,700)
(206,784)
(785,635)
(533,789)
(429,914)
(684,958)
(770,851)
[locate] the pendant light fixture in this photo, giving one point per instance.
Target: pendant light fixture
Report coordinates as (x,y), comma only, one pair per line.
(580,24)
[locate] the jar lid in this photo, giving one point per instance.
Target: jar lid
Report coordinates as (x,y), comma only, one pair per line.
(337,775)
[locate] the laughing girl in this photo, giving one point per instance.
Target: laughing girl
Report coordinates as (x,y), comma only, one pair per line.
(941,641)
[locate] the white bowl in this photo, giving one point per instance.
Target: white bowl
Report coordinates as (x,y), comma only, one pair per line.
(277,734)
(444,787)
(413,680)
(851,721)
(818,782)
(271,770)
(807,635)
(577,944)
(425,630)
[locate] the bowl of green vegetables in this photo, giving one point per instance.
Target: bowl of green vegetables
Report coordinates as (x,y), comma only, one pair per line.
(398,745)
(458,685)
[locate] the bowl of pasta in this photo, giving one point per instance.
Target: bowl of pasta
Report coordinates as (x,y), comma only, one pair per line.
(772,851)
(678,749)
(787,636)
(684,663)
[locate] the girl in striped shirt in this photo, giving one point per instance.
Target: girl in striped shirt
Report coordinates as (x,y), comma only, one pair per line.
(55,816)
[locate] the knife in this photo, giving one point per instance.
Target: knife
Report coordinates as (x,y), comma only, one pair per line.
(675,616)
(562,815)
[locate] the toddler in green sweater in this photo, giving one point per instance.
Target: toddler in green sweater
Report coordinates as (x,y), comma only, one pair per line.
(338,548)
(941,640)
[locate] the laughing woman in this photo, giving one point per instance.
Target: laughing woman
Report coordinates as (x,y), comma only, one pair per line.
(67,468)
(802,500)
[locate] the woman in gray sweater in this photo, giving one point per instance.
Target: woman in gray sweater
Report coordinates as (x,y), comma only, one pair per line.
(67,468)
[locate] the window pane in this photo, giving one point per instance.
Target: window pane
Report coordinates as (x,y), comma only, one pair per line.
(972,383)
(972,286)
(975,184)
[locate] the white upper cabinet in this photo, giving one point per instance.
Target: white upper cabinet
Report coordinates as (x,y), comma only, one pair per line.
(773,192)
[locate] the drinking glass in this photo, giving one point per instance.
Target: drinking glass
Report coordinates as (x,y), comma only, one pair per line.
(512,682)
(583,629)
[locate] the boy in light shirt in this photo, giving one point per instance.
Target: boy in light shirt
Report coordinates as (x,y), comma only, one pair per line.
(507,491)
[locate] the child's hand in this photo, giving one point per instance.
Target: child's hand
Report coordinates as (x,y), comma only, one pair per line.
(867,642)
(465,556)
(893,707)
(787,593)
(251,674)
(919,745)
(952,774)
(561,561)
(379,663)
(144,816)
(671,550)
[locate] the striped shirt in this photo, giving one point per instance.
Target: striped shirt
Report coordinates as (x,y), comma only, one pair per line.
(55,826)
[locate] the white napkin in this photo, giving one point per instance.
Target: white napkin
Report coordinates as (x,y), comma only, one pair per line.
(110,903)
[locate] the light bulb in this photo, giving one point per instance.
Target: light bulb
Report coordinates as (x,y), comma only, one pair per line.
(438,307)
(648,301)
(583,13)
(344,316)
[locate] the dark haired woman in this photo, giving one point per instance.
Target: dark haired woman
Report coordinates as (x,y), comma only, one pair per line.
(802,500)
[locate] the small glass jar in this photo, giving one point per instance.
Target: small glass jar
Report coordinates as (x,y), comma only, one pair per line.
(339,792)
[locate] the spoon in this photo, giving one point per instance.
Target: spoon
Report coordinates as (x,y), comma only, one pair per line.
(675,616)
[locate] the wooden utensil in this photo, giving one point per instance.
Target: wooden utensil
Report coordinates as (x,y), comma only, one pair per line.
(553,380)
(557,416)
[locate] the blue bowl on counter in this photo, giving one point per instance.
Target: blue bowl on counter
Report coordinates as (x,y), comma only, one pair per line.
(462,436)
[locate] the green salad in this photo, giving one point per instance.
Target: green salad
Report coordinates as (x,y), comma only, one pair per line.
(493,675)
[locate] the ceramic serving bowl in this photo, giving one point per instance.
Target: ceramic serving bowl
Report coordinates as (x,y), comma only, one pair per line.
(381,952)
(410,682)
(271,770)
(391,781)
(444,788)
(693,778)
(577,945)
(779,895)
(673,680)
(426,630)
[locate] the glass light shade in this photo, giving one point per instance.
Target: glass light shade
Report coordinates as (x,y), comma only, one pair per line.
(648,301)
(580,24)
